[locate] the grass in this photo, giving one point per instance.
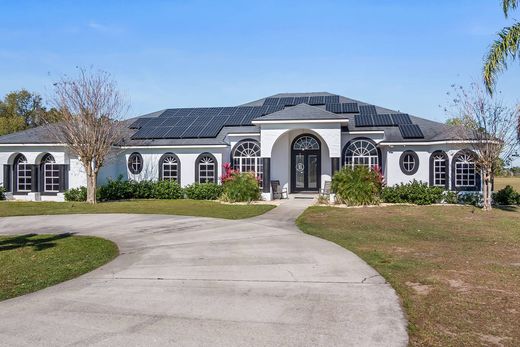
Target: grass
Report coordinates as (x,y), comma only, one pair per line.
(32,262)
(501,182)
(176,207)
(456,269)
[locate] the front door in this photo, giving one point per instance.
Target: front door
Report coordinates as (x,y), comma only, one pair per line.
(305,164)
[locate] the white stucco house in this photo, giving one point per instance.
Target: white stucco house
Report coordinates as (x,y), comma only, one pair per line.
(298,139)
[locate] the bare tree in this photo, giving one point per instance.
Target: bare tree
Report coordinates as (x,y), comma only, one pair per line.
(490,127)
(91,109)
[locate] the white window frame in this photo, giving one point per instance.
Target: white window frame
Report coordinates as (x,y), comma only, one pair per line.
(364,153)
(206,167)
(23,175)
(465,171)
(440,170)
(170,168)
(246,158)
(51,172)
(409,162)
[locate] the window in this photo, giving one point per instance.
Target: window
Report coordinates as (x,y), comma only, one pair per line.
(361,152)
(135,163)
(206,169)
(409,162)
(169,167)
(465,170)
(51,174)
(23,174)
(306,143)
(246,158)
(439,169)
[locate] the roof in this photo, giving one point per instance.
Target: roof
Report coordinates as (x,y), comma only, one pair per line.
(301,112)
(210,125)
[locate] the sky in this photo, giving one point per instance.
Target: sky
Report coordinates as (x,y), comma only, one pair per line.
(403,55)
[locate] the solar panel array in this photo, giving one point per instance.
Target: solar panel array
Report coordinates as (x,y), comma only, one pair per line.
(411,131)
(207,122)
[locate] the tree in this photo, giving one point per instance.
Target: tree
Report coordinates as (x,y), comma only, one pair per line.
(505,48)
(487,128)
(21,110)
(91,109)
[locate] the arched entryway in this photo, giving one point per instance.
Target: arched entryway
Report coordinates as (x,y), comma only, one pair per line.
(305,164)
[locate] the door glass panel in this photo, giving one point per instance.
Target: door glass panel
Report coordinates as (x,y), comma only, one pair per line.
(300,170)
(313,171)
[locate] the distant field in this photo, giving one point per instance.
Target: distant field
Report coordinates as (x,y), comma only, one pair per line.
(501,182)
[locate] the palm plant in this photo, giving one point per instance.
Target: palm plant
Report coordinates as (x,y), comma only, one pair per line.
(504,48)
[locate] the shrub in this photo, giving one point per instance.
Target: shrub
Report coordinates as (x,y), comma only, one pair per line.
(241,187)
(76,194)
(203,191)
(415,192)
(117,189)
(450,197)
(470,198)
(167,190)
(358,186)
(142,189)
(507,196)
(2,193)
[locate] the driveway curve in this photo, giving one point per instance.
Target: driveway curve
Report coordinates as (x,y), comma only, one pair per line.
(192,281)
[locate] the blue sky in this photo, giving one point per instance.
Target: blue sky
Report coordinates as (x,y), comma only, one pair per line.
(398,54)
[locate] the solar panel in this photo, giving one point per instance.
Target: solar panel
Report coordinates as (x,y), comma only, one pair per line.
(181,112)
(301,100)
(367,109)
(383,120)
(170,112)
(363,120)
(401,118)
(139,123)
(411,131)
(271,101)
(286,101)
(332,99)
(350,107)
(273,109)
(193,131)
(170,121)
(213,128)
(228,111)
(160,132)
(336,108)
(175,132)
(317,100)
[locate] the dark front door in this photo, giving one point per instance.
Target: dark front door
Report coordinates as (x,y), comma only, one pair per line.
(305,164)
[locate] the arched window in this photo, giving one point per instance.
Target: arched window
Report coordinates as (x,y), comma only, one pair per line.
(206,169)
(304,143)
(360,152)
(23,174)
(135,163)
(51,174)
(246,158)
(169,168)
(439,169)
(409,162)
(464,171)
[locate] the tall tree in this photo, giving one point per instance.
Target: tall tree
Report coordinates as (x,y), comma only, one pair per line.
(21,110)
(505,48)
(91,109)
(487,128)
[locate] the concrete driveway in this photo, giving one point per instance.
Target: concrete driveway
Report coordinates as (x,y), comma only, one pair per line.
(193,281)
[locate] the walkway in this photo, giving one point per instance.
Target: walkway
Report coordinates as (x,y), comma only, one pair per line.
(192,281)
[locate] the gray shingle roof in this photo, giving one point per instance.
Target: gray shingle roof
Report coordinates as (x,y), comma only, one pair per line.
(301,112)
(433,131)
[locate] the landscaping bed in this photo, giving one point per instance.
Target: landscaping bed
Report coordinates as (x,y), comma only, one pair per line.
(32,262)
(456,269)
(186,207)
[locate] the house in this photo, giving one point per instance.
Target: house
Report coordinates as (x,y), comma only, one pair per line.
(299,139)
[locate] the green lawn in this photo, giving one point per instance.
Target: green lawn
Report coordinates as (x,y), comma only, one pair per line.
(177,207)
(456,269)
(32,262)
(501,182)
